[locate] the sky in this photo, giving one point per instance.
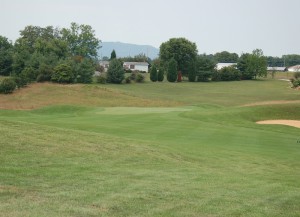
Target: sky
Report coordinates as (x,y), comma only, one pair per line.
(238,26)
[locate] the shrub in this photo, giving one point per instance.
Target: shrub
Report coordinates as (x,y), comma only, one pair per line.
(63,74)
(153,74)
(140,78)
(133,75)
(160,75)
(29,73)
(21,81)
(128,71)
(128,80)
(101,79)
(7,85)
(227,74)
(115,72)
(203,76)
(216,76)
(45,73)
(297,75)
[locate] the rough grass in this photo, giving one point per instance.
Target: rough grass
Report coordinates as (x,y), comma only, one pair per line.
(204,158)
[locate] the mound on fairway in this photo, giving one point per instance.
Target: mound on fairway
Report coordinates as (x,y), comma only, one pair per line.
(292,123)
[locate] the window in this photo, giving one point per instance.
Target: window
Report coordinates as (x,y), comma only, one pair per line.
(131,66)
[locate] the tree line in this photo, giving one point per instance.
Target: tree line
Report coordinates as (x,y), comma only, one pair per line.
(63,55)
(179,58)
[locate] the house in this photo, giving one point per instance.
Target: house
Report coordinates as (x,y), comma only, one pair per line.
(136,66)
(277,69)
(104,64)
(222,65)
(295,68)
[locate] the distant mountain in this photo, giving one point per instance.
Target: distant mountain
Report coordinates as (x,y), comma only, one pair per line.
(125,49)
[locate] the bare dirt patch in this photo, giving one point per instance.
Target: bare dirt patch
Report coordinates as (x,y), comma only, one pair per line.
(292,123)
(275,102)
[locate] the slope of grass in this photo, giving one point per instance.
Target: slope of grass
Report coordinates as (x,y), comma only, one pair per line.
(206,158)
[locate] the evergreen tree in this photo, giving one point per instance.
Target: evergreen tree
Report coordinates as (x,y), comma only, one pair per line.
(172,71)
(161,74)
(115,72)
(113,55)
(153,74)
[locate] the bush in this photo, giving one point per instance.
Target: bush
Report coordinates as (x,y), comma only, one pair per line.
(297,75)
(128,80)
(29,73)
(63,74)
(203,76)
(45,73)
(21,81)
(101,79)
(7,85)
(115,72)
(227,74)
(140,78)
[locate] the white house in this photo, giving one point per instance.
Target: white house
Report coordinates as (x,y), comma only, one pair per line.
(222,65)
(277,69)
(105,64)
(295,68)
(136,66)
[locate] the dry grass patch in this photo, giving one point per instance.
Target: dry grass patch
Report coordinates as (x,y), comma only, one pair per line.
(45,94)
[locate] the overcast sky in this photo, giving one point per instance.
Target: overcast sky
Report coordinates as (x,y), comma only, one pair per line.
(214,25)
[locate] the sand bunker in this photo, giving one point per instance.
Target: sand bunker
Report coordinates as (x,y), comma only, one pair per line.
(292,123)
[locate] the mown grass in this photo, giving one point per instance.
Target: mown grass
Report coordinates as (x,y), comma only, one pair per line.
(195,157)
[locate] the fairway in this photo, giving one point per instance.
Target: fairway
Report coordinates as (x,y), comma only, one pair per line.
(152,149)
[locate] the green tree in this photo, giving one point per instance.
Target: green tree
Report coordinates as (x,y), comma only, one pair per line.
(81,40)
(172,70)
(85,71)
(63,74)
(253,65)
(113,55)
(6,56)
(226,57)
(161,74)
(205,66)
(153,73)
(192,72)
(115,72)
(181,49)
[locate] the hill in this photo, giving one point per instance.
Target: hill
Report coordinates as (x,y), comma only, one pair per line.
(125,49)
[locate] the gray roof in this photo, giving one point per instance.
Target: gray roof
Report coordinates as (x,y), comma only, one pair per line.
(137,63)
(276,68)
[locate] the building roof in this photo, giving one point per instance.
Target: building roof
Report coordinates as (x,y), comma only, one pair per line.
(276,68)
(137,63)
(222,65)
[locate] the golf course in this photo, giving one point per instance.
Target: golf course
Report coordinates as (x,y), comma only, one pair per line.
(150,149)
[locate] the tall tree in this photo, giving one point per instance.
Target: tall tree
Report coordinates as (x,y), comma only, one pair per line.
(113,54)
(182,50)
(253,65)
(81,40)
(226,57)
(153,73)
(6,56)
(115,72)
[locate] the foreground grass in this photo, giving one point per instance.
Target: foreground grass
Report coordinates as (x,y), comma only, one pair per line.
(206,158)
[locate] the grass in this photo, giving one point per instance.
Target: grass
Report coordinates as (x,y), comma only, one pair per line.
(151,150)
